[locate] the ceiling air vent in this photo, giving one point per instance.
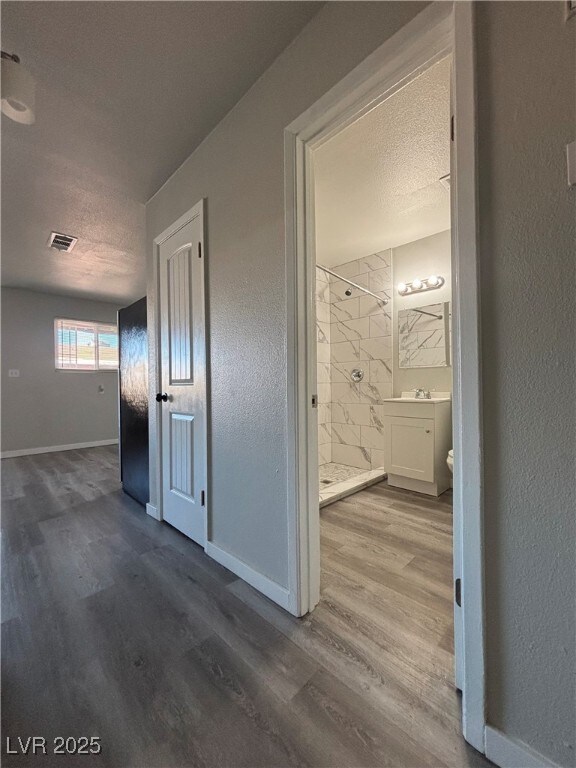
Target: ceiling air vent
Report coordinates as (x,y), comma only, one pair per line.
(62,242)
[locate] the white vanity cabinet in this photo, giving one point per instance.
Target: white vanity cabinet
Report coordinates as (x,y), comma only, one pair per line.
(417,438)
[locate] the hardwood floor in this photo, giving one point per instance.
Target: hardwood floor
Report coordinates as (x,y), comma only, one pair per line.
(117,626)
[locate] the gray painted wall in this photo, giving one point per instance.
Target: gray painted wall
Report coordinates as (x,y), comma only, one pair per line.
(428,256)
(527,114)
(526,90)
(239,168)
(46,407)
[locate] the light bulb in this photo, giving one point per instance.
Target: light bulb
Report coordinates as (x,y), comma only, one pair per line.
(417,284)
(402,287)
(433,280)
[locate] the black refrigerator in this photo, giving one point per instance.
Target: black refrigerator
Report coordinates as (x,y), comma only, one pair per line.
(133,383)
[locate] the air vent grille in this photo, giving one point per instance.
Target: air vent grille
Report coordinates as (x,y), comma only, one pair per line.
(62,242)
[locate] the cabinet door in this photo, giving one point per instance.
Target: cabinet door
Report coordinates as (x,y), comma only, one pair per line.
(411,448)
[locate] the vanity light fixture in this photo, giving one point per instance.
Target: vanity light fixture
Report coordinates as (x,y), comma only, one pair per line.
(419,285)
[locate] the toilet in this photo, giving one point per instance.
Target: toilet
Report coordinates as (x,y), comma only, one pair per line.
(450,461)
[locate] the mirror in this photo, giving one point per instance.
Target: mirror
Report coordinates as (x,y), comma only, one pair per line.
(424,336)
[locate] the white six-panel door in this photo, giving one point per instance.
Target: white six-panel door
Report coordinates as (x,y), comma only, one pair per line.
(182,398)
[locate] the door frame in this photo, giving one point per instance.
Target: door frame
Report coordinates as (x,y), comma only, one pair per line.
(443,28)
(156,510)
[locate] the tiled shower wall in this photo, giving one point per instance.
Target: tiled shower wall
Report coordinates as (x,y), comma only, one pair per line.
(359,336)
(323,359)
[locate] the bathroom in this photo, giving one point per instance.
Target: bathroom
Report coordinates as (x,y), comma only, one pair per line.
(383,296)
(383,282)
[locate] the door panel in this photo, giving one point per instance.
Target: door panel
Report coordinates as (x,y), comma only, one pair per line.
(133,385)
(183,378)
(411,445)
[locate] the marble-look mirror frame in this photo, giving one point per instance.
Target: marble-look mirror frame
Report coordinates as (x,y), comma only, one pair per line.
(424,339)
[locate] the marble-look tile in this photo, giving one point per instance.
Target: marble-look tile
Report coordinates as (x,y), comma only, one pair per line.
(380,280)
(325,453)
(377,459)
(351,330)
(377,260)
(323,312)
(347,434)
(348,413)
(345,393)
(345,351)
(323,374)
(368,305)
(323,353)
(372,437)
(322,291)
(353,455)
(380,324)
(373,394)
(349,269)
(324,413)
(324,433)
(323,332)
(324,392)
(342,372)
(377,416)
(339,287)
(345,310)
(380,371)
(378,348)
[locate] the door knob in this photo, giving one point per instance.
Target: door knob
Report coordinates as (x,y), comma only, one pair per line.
(161,397)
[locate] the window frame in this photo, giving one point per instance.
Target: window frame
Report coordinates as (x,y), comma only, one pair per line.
(97,325)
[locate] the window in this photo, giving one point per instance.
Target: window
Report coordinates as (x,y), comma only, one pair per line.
(85,346)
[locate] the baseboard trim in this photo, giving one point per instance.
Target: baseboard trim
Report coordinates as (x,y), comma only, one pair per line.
(153,512)
(509,753)
(271,589)
(55,448)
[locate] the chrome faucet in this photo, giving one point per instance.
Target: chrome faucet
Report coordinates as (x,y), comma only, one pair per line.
(422,394)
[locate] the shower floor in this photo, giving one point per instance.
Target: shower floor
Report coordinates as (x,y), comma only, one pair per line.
(340,480)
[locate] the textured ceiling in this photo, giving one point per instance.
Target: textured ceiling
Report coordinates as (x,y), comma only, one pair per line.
(377,181)
(125,92)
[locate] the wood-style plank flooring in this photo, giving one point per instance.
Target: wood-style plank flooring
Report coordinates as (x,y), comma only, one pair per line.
(117,626)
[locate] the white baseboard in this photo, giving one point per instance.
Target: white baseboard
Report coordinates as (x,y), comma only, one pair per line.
(153,511)
(271,589)
(55,448)
(509,753)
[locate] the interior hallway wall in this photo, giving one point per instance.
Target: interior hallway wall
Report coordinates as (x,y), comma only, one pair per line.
(46,407)
(527,114)
(422,258)
(239,169)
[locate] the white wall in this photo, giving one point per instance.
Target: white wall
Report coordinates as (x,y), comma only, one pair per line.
(527,114)
(239,169)
(45,407)
(428,256)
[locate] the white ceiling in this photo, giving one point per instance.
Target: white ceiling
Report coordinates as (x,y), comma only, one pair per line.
(377,181)
(125,92)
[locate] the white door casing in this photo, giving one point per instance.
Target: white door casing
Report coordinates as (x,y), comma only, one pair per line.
(440,29)
(182,399)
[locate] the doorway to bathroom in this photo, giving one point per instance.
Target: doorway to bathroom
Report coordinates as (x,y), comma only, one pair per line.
(389,345)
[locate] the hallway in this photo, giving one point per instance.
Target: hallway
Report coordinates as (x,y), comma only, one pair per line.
(117,626)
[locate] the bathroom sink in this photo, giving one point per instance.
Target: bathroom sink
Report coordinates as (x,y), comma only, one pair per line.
(408,397)
(415,399)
